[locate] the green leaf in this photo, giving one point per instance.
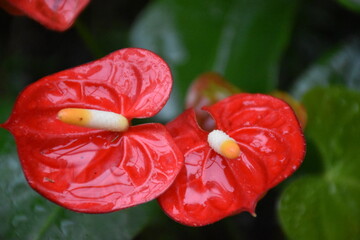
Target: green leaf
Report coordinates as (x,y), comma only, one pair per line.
(340,67)
(314,208)
(327,205)
(334,126)
(27,215)
(241,39)
(351,4)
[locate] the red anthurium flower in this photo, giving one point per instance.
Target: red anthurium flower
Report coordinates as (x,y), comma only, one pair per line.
(57,15)
(103,168)
(257,143)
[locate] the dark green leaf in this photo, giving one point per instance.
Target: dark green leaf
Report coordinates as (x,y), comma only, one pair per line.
(241,39)
(351,4)
(327,205)
(6,143)
(341,67)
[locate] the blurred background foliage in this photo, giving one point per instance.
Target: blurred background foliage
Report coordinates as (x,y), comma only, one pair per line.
(310,49)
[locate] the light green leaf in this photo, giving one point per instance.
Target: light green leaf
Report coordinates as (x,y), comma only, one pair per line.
(241,39)
(334,127)
(327,205)
(316,208)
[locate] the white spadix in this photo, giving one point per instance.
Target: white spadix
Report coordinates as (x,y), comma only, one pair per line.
(96,119)
(223,144)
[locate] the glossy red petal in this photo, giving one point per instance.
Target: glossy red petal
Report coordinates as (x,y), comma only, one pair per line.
(206,189)
(266,126)
(91,170)
(211,187)
(101,172)
(6,5)
(57,15)
(132,82)
(208,88)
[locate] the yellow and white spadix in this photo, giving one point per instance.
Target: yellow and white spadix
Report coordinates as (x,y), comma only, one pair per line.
(223,144)
(96,119)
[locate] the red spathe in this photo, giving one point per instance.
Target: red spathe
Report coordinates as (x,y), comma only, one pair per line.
(57,15)
(211,187)
(91,170)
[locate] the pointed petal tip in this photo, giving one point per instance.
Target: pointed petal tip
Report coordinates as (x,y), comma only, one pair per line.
(3,125)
